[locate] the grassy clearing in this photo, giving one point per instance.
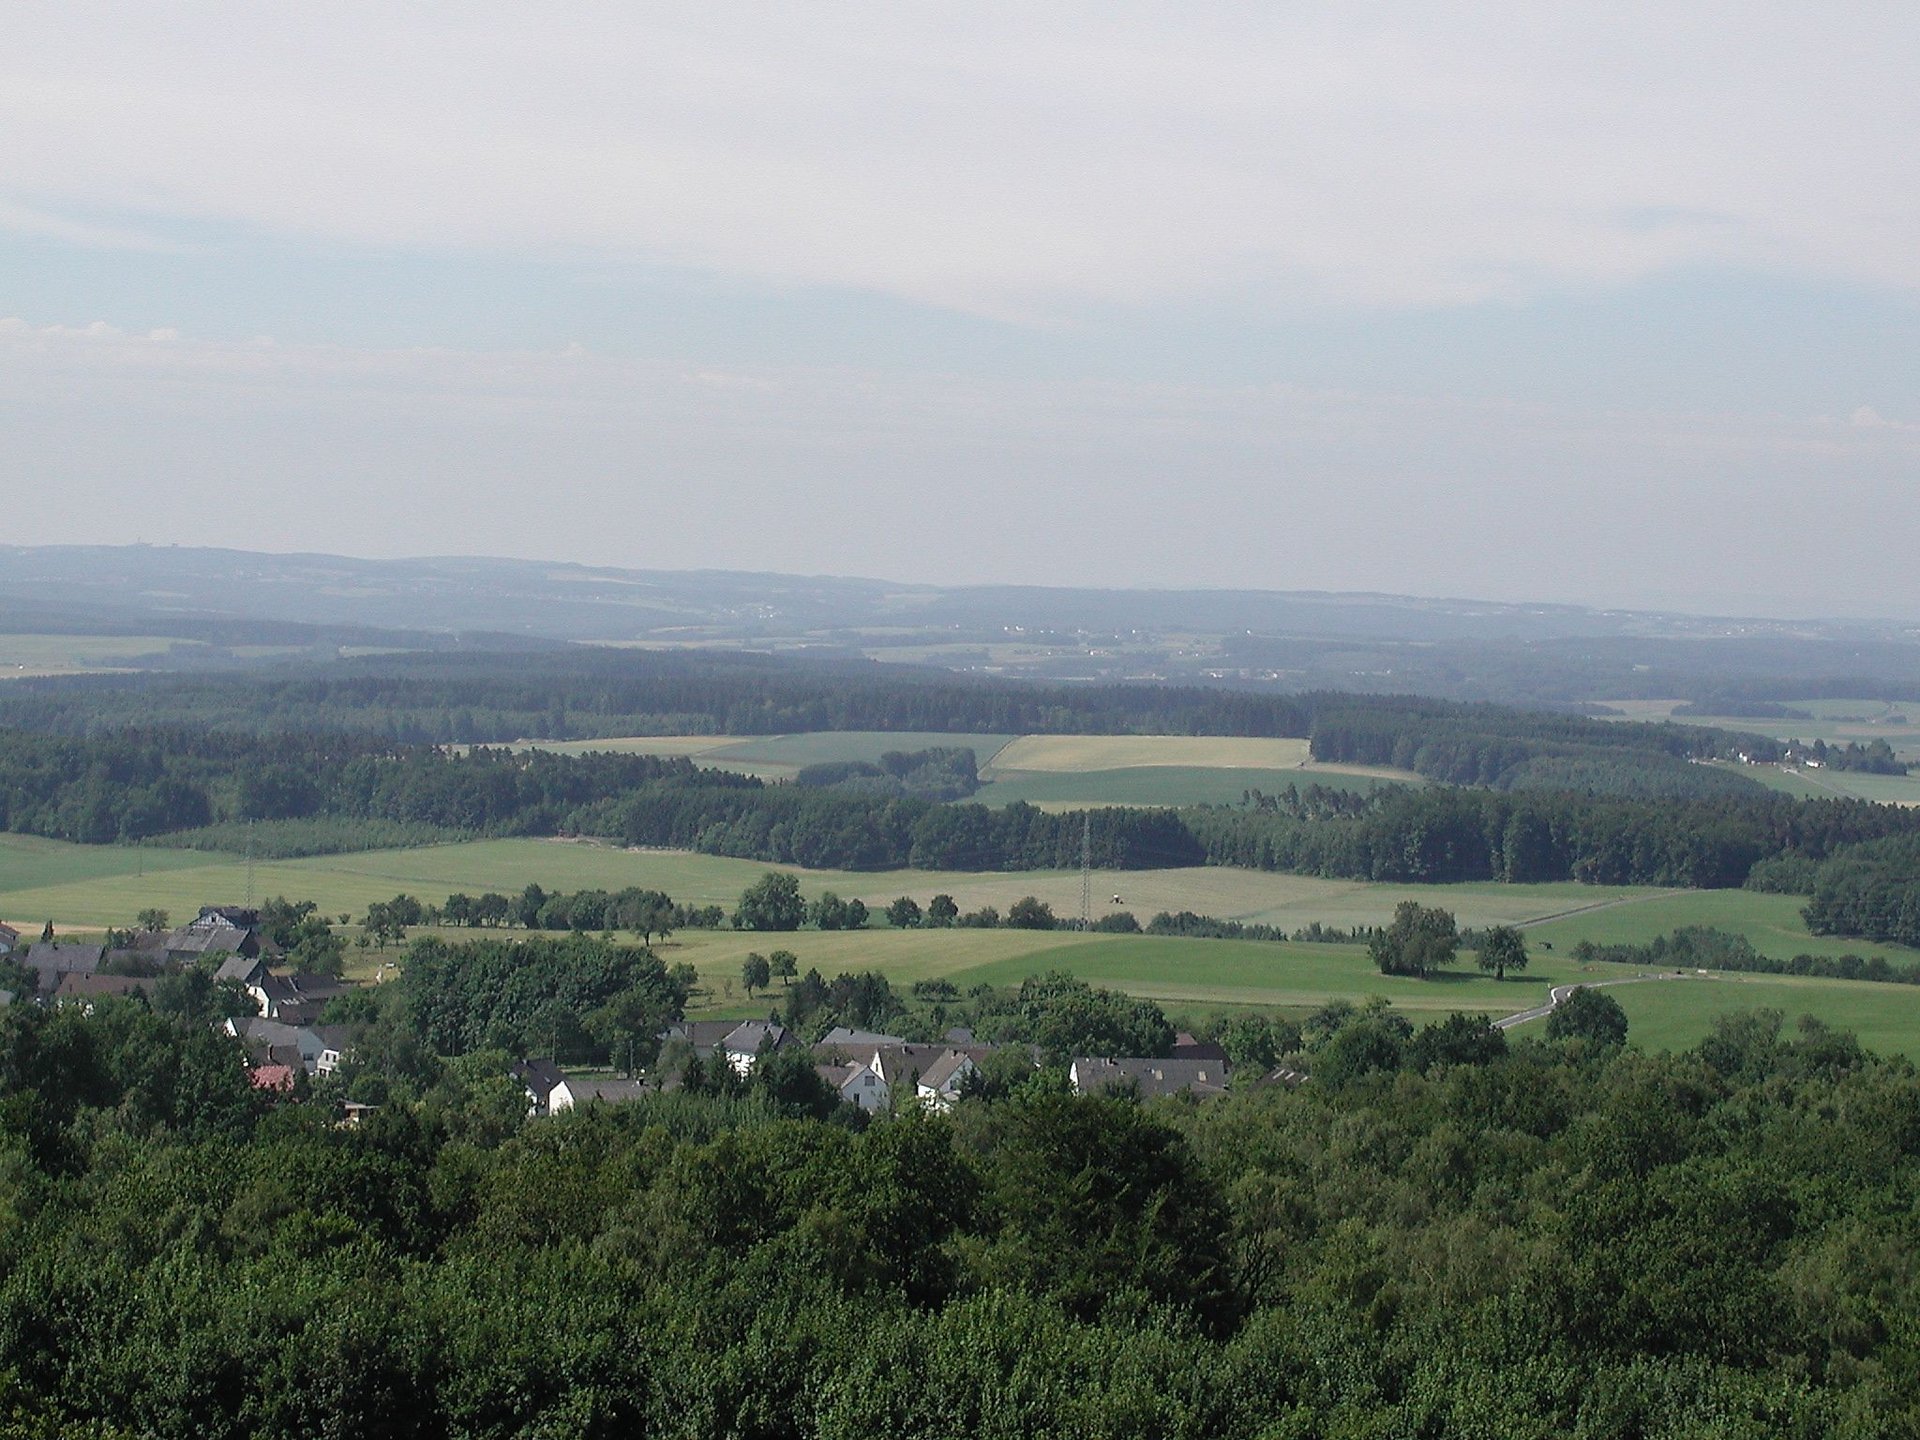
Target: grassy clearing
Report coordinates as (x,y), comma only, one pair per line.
(1826,784)
(23,656)
(1175,785)
(88,887)
(1198,976)
(99,885)
(1771,922)
(1678,1016)
(1153,785)
(1119,752)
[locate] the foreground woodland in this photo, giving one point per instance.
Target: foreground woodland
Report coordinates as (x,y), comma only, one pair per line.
(1438,1234)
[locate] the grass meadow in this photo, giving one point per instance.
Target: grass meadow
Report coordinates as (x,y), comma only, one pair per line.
(85,888)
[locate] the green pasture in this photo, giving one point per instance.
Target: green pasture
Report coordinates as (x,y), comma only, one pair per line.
(24,655)
(1156,785)
(88,887)
(1676,1015)
(1771,922)
(1200,976)
(104,885)
(1825,784)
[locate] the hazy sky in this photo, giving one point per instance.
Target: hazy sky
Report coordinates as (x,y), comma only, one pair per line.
(1611,303)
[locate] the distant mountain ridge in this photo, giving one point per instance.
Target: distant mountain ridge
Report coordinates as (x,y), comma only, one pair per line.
(1541,654)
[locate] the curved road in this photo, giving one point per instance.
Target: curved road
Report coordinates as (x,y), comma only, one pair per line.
(1557,996)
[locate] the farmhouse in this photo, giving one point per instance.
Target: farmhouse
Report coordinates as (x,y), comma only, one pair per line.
(856,1083)
(49,960)
(9,939)
(540,1079)
(738,1041)
(219,930)
(78,989)
(572,1092)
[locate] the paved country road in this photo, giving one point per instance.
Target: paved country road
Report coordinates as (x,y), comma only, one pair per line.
(1557,996)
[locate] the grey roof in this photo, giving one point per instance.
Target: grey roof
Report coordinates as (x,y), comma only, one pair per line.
(748,1036)
(77,984)
(224,941)
(858,1039)
(338,1037)
(1152,1077)
(606,1092)
(539,1076)
(220,916)
(243,968)
(52,960)
(1185,1047)
(898,1064)
(947,1070)
(704,1035)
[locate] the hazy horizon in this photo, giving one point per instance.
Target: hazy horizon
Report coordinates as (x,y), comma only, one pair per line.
(1607,306)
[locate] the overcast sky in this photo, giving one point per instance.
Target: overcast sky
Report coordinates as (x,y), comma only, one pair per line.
(1607,303)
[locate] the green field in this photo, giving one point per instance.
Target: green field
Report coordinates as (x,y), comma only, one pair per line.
(105,885)
(1192,977)
(1771,922)
(1825,784)
(1062,772)
(1155,785)
(89,887)
(1834,721)
(1678,1015)
(27,655)
(1054,772)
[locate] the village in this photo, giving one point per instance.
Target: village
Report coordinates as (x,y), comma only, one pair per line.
(283,1027)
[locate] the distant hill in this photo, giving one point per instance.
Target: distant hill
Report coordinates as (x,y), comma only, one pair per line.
(1553,655)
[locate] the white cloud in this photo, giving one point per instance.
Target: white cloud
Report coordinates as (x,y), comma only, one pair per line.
(1009,159)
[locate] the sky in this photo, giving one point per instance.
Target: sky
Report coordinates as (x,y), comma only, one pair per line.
(1614,304)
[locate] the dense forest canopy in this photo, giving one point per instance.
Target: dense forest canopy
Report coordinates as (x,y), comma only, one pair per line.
(1439,1234)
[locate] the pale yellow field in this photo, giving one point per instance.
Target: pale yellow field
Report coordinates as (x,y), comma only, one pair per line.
(1072,753)
(667,745)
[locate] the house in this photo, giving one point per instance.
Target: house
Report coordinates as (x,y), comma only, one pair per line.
(83,990)
(705,1036)
(941,1086)
(856,1083)
(49,960)
(9,939)
(1152,1078)
(220,930)
(244,969)
(1185,1047)
(843,1038)
(935,1074)
(571,1093)
(539,1078)
(336,1043)
(318,1049)
(294,999)
(747,1039)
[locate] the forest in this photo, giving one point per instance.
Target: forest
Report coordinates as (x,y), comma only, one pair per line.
(1870,890)
(305,790)
(1443,1233)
